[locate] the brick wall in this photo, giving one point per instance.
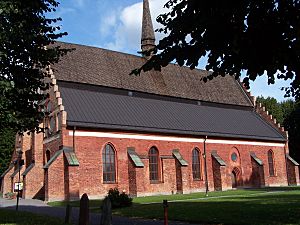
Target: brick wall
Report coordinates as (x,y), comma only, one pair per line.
(54,180)
(90,180)
(293,173)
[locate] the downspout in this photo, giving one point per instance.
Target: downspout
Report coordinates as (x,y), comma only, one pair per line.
(205,168)
(286,147)
(74,129)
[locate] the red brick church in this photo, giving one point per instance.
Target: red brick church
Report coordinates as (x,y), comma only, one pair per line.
(159,133)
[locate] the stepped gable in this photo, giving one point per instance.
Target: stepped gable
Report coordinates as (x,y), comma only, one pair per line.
(108,68)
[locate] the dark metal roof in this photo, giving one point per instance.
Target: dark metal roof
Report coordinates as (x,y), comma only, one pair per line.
(53,158)
(134,157)
(259,161)
(179,157)
(8,169)
(16,171)
(27,170)
(111,69)
(292,160)
(218,158)
(71,156)
(95,109)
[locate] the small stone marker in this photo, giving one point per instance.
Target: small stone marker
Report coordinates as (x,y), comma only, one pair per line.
(68,214)
(106,215)
(84,213)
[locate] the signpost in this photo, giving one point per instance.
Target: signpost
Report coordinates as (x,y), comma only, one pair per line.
(18,185)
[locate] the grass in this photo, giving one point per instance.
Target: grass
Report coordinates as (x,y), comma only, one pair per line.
(10,217)
(92,203)
(254,206)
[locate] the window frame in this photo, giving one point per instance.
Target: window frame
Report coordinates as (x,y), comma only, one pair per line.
(154,167)
(109,176)
(196,164)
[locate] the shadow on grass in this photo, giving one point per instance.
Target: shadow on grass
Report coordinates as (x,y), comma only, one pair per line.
(255,210)
(33,215)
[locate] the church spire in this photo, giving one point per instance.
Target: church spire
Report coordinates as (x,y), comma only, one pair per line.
(148,37)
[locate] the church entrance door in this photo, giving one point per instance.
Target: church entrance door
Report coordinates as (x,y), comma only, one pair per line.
(233,179)
(179,188)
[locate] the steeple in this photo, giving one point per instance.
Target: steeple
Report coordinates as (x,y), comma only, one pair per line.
(148,37)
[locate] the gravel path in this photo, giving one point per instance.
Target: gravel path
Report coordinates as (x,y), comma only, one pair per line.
(39,207)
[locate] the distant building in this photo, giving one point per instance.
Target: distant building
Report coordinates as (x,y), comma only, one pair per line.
(159,133)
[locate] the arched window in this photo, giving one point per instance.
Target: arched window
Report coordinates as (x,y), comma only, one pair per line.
(271,163)
(153,164)
(109,165)
(196,164)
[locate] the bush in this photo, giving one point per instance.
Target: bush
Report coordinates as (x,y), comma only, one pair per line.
(10,195)
(118,200)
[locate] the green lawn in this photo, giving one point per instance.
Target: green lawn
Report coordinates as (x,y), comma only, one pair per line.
(251,207)
(254,206)
(10,217)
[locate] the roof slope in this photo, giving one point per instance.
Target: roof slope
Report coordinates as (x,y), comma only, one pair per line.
(97,109)
(111,69)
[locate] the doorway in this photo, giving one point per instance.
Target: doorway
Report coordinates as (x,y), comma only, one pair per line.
(233,179)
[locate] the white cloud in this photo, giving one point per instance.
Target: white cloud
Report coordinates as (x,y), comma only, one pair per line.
(79,3)
(108,24)
(125,26)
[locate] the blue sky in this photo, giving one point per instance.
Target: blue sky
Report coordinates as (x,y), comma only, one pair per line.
(116,25)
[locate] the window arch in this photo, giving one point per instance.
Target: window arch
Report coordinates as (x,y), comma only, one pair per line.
(153,164)
(109,164)
(196,164)
(271,163)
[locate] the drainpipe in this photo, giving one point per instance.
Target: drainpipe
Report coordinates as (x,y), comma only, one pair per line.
(205,168)
(74,129)
(286,148)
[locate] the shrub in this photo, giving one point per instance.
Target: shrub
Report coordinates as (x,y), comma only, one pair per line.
(10,195)
(118,200)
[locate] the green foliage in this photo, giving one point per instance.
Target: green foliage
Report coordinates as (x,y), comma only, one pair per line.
(287,113)
(273,107)
(260,37)
(7,141)
(292,125)
(119,200)
(10,195)
(26,53)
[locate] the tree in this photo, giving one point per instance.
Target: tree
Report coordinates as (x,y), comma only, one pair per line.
(273,107)
(286,113)
(26,52)
(258,36)
(7,141)
(292,125)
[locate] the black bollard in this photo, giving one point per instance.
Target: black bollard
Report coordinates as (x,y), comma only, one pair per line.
(68,214)
(165,204)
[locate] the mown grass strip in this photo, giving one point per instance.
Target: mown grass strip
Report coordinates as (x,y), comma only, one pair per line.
(11,217)
(255,209)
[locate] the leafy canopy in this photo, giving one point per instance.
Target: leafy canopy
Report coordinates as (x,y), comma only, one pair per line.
(286,113)
(25,55)
(259,36)
(7,142)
